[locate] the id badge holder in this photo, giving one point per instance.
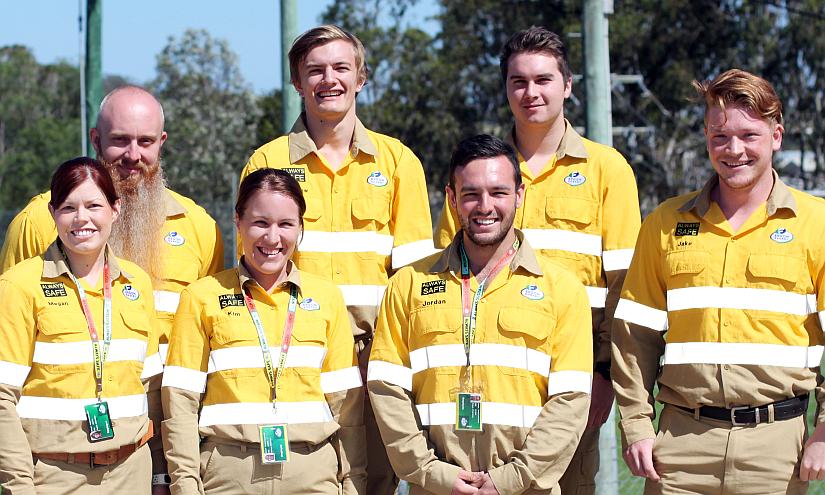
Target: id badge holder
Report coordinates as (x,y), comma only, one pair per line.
(100,425)
(275,440)
(469,395)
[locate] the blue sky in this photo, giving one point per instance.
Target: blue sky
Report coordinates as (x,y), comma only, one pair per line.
(135,31)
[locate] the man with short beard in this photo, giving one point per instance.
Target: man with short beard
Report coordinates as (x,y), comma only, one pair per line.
(173,239)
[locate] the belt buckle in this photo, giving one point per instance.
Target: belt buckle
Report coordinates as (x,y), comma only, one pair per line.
(733,415)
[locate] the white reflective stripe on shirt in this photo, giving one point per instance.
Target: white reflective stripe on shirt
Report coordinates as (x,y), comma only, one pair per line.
(363,295)
(597,296)
(565,240)
(392,373)
(743,354)
(82,353)
(338,380)
(617,259)
(13,374)
(411,252)
(184,378)
(151,366)
(492,413)
(261,413)
(346,242)
(166,301)
(511,356)
(125,406)
(633,312)
(569,381)
(741,298)
(163,350)
(230,358)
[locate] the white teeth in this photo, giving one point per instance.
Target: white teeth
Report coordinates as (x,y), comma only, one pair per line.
(83,233)
(269,251)
(735,164)
(330,93)
(485,222)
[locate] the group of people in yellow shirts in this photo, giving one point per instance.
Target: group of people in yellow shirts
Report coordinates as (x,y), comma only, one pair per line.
(352,347)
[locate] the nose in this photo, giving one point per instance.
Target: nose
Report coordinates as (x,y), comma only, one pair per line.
(273,233)
(734,146)
(484,203)
(132,151)
(81,215)
(530,91)
(328,74)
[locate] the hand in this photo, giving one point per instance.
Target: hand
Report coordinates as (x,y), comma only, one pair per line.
(485,485)
(601,401)
(464,484)
(160,490)
(639,458)
(813,457)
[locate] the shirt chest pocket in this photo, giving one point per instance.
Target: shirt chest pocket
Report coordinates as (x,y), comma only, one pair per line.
(434,326)
(686,269)
(236,350)
(371,212)
(776,271)
(572,213)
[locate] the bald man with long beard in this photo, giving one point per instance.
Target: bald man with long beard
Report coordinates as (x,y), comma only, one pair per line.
(173,239)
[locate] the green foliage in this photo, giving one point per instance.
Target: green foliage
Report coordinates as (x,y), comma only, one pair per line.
(39,123)
(211,115)
(269,125)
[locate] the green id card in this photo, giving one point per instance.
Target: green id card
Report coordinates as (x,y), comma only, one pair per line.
(100,426)
(274,444)
(468,411)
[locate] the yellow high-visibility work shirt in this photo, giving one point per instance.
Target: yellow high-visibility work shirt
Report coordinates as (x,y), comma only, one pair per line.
(734,317)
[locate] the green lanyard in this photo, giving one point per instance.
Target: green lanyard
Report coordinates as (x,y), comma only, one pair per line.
(272,375)
(99,357)
(469,307)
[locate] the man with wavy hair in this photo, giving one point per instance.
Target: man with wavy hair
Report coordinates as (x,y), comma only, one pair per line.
(722,308)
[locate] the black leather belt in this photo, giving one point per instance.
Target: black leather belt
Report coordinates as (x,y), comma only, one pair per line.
(744,415)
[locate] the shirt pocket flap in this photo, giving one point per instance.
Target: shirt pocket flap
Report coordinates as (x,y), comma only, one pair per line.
(137,322)
(60,323)
(372,208)
(229,333)
(436,320)
(526,321)
(315,207)
(786,267)
(573,209)
(686,262)
(182,270)
(310,331)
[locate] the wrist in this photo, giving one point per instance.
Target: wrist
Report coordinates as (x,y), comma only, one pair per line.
(161,479)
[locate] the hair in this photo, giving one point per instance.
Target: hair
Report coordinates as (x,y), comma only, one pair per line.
(535,39)
(271,180)
(133,90)
(737,87)
(483,146)
(322,35)
(74,172)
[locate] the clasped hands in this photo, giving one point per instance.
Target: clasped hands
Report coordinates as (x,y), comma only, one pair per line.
(472,483)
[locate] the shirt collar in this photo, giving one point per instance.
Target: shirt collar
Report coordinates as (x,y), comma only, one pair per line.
(572,144)
(54,265)
(780,197)
(450,259)
(173,206)
(301,144)
(292,275)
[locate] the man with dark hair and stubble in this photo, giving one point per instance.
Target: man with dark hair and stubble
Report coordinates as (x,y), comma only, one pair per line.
(480,371)
(581,209)
(722,309)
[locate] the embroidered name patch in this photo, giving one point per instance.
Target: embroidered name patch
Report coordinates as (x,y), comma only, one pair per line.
(227,300)
(684,228)
(575,179)
(130,293)
(297,173)
(377,180)
(309,305)
(174,239)
(53,290)
(433,287)
(782,236)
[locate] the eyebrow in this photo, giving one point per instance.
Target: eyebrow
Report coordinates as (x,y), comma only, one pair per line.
(544,74)
(340,62)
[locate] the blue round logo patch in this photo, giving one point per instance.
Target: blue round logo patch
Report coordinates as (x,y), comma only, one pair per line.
(130,293)
(782,236)
(174,239)
(377,180)
(575,179)
(532,292)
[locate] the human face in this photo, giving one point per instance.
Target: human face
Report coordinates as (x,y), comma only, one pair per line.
(741,147)
(536,89)
(329,80)
(84,220)
(269,231)
(129,133)
(485,199)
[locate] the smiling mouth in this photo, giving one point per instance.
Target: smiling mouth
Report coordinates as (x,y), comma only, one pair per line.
(736,164)
(269,252)
(326,94)
(83,233)
(484,221)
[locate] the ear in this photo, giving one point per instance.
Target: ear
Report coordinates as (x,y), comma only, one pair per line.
(94,136)
(297,86)
(52,212)
(116,210)
(237,223)
(451,197)
(568,88)
(776,136)
(162,138)
(520,194)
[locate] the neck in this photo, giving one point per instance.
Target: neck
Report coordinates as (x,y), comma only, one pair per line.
(483,259)
(336,132)
(543,140)
(738,204)
(86,266)
(267,281)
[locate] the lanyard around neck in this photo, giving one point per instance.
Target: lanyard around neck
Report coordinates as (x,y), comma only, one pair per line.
(469,307)
(99,356)
(272,374)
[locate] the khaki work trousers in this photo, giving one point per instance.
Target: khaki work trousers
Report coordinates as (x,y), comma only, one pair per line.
(701,455)
(237,470)
(580,476)
(130,476)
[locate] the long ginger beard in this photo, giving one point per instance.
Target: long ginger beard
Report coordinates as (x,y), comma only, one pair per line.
(137,235)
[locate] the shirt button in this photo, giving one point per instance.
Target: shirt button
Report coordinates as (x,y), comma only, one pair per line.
(111,377)
(335,229)
(727,323)
(338,271)
(730,405)
(335,190)
(727,367)
(532,186)
(483,299)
